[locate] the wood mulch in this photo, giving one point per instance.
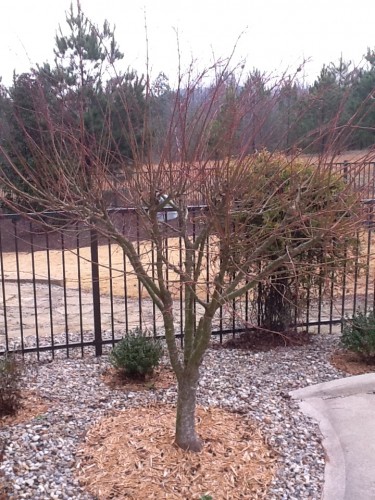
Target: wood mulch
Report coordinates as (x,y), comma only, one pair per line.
(162,378)
(32,405)
(263,340)
(4,489)
(131,454)
(350,362)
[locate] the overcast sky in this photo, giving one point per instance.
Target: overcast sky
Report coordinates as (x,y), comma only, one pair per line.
(277,34)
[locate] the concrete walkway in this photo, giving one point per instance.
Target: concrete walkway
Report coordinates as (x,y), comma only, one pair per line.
(345,411)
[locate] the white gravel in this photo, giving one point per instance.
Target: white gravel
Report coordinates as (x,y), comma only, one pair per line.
(40,454)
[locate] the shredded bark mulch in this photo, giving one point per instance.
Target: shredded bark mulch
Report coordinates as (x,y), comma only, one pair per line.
(162,378)
(350,362)
(5,489)
(132,455)
(262,340)
(32,405)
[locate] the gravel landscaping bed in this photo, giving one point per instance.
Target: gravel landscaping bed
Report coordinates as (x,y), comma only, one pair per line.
(39,458)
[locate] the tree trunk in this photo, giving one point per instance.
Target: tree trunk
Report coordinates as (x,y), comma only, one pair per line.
(186,436)
(277,302)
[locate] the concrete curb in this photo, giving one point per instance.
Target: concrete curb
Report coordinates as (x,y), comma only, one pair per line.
(335,468)
(358,384)
(321,402)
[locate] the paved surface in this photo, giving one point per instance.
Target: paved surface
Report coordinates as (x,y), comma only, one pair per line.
(345,411)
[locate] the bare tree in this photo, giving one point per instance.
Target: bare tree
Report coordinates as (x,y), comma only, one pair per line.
(74,170)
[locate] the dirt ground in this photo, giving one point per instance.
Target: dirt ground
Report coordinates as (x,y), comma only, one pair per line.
(114,271)
(356,155)
(117,275)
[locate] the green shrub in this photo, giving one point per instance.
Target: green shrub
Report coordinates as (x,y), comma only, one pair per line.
(136,354)
(11,370)
(270,186)
(359,335)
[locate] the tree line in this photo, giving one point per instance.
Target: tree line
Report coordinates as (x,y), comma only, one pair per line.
(126,112)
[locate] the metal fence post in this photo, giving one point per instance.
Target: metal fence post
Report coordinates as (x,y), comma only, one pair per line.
(96,292)
(346,170)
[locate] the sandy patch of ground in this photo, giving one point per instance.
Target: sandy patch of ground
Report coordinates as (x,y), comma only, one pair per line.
(117,275)
(115,272)
(354,156)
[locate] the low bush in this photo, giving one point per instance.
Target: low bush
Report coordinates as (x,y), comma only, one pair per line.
(359,335)
(11,370)
(136,354)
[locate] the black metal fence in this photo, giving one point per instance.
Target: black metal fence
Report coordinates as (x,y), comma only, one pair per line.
(67,289)
(361,175)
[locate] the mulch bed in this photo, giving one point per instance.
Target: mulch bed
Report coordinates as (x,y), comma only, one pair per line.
(131,455)
(263,340)
(350,362)
(32,405)
(162,378)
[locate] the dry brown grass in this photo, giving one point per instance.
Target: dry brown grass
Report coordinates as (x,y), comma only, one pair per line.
(354,156)
(131,455)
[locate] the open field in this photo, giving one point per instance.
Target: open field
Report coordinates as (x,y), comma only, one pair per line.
(117,276)
(32,306)
(115,271)
(353,156)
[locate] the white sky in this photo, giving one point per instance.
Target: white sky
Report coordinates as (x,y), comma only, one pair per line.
(278,34)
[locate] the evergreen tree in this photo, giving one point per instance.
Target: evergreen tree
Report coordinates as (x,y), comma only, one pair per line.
(363,103)
(322,109)
(84,88)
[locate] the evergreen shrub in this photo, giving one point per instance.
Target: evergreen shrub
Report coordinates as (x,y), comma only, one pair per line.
(136,355)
